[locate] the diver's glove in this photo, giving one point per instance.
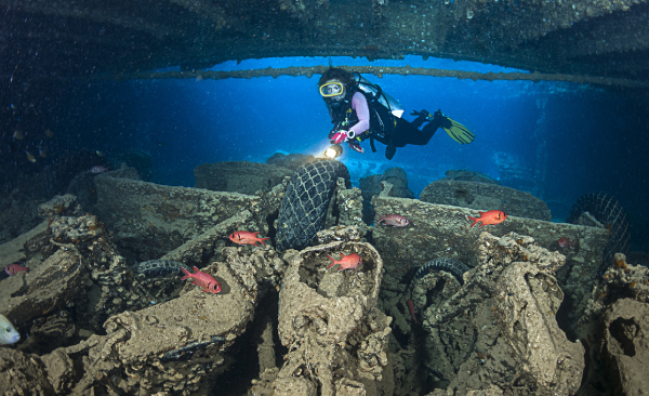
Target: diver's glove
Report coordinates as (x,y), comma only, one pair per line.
(339,137)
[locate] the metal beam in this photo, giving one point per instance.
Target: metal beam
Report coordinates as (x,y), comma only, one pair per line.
(380,71)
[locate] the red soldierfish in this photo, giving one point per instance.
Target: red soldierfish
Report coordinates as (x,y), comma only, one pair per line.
(13,269)
(491,217)
(346,262)
(566,243)
(393,220)
(247,238)
(412,310)
(205,281)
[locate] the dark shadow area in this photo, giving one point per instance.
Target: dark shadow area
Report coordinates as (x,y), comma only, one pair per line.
(623,331)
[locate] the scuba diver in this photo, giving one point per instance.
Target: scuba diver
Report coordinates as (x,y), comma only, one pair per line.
(360,110)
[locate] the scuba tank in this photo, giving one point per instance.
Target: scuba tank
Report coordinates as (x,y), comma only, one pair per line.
(383,116)
(386,100)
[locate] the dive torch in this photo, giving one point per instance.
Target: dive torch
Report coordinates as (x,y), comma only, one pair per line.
(335,151)
(336,137)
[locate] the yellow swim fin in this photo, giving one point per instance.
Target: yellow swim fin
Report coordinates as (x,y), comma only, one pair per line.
(457,131)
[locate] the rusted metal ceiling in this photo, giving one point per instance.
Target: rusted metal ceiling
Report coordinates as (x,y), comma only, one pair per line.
(59,38)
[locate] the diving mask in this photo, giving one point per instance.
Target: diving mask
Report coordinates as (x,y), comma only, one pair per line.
(331,89)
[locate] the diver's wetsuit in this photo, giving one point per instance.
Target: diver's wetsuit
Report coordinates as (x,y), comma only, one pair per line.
(390,130)
(408,133)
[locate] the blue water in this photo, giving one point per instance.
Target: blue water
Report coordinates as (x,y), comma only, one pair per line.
(596,140)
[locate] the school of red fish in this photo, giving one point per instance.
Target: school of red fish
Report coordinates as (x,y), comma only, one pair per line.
(352,261)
